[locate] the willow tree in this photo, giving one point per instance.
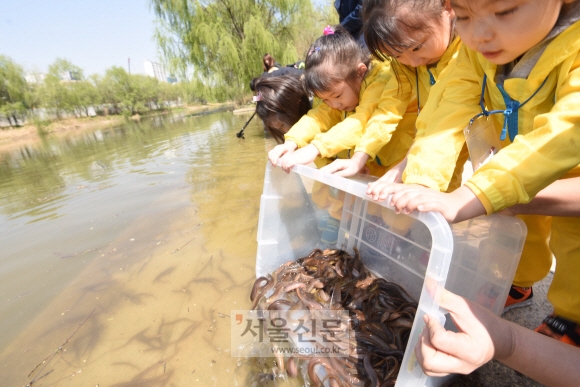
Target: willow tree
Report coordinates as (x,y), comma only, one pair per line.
(57,91)
(223,41)
(13,88)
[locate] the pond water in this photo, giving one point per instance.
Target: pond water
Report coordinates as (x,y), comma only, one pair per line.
(123,251)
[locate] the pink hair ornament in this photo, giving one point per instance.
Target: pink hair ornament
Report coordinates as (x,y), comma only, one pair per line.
(257,98)
(328,30)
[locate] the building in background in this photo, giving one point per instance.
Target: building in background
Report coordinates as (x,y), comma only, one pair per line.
(155,70)
(34,78)
(65,76)
(70,76)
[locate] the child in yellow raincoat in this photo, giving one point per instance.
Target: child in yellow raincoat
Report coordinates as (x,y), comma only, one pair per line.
(350,85)
(418,38)
(420,57)
(341,74)
(519,69)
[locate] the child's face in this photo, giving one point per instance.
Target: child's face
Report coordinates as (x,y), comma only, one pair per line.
(504,30)
(342,97)
(431,44)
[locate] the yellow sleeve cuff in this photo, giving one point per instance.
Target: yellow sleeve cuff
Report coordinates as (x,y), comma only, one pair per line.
(421,180)
(482,198)
(321,149)
(301,143)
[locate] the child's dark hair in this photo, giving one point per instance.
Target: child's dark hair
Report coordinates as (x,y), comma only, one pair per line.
(284,100)
(334,58)
(253,84)
(386,24)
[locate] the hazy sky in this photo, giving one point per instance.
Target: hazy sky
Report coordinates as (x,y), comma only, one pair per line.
(92,34)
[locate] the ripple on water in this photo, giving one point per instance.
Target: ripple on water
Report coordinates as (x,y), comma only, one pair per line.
(159,241)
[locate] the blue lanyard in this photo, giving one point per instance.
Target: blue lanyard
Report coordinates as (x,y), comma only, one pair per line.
(510,121)
(431,82)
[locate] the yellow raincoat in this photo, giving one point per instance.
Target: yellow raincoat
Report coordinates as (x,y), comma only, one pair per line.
(546,148)
(323,118)
(390,132)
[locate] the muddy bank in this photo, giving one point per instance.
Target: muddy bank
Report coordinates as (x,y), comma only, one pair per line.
(30,135)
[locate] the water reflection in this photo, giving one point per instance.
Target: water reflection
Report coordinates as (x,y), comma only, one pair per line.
(127,248)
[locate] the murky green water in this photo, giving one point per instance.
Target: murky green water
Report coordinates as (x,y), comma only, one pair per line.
(127,248)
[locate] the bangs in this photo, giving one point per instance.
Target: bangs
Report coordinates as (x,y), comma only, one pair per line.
(323,79)
(389,36)
(389,24)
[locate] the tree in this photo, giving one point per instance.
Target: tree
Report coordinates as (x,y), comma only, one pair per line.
(83,96)
(13,88)
(58,87)
(224,40)
(127,92)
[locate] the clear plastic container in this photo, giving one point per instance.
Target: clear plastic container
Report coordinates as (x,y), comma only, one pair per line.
(476,259)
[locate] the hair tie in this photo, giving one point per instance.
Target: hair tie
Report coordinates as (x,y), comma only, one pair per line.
(328,30)
(258,97)
(313,49)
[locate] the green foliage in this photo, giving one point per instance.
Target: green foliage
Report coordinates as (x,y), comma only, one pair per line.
(83,95)
(40,125)
(65,91)
(13,88)
(131,94)
(223,41)
(218,44)
(59,92)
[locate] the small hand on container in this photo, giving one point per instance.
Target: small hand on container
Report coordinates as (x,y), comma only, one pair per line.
(479,339)
(302,156)
(347,167)
(456,206)
(483,336)
(280,150)
(378,190)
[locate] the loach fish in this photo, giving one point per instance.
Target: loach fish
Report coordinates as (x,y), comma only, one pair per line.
(381,316)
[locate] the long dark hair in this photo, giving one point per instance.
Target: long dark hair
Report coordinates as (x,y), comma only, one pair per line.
(334,58)
(284,100)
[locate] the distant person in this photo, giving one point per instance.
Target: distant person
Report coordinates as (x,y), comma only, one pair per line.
(350,16)
(269,64)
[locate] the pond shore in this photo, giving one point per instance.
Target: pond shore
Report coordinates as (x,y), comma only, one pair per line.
(13,138)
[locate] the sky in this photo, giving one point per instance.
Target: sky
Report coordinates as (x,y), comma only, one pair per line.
(92,34)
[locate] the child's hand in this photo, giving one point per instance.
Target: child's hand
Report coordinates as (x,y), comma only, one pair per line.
(455,207)
(301,156)
(281,150)
(480,337)
(378,190)
(347,167)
